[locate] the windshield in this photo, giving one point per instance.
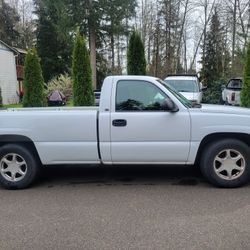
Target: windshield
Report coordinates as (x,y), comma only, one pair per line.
(179,96)
(235,84)
(183,85)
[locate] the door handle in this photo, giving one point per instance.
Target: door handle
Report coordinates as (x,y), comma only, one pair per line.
(119,123)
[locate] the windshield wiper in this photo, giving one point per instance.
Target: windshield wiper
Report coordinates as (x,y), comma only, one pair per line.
(182,90)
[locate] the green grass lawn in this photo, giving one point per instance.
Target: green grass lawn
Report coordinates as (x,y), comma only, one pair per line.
(19,105)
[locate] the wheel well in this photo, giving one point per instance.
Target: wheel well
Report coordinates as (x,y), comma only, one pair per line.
(20,140)
(219,136)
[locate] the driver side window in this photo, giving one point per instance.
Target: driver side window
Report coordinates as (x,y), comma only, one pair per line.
(136,95)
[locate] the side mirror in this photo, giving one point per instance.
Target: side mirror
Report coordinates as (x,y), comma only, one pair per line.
(204,88)
(223,87)
(169,105)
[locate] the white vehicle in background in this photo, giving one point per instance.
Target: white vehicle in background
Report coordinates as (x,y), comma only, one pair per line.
(97,94)
(231,92)
(188,85)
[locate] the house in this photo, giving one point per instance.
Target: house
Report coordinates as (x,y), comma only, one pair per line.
(11,72)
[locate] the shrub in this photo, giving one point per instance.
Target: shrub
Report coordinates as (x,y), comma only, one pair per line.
(213,94)
(136,62)
(63,83)
(245,92)
(34,95)
(81,74)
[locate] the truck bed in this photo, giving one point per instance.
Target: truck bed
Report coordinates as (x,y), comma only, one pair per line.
(60,136)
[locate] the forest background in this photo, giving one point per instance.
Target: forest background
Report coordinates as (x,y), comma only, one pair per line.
(180,36)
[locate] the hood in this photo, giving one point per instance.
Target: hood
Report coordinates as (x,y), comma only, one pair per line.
(210,108)
(192,96)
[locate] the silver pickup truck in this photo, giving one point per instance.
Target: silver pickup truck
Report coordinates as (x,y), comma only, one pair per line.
(140,120)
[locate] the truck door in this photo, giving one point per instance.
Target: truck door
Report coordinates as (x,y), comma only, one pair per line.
(141,132)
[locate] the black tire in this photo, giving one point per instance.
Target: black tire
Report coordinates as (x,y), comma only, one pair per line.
(226,150)
(31,166)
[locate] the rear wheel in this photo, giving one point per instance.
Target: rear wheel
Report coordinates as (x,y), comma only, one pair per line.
(18,166)
(226,163)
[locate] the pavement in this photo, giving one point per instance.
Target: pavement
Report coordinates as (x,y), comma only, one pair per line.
(124,208)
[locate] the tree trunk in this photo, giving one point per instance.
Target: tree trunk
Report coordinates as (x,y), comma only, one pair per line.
(245,33)
(92,45)
(156,48)
(119,68)
(185,52)
(112,44)
(92,40)
(204,32)
(234,32)
(181,35)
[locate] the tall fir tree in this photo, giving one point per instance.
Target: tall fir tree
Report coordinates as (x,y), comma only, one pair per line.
(239,60)
(245,92)
(9,19)
(171,27)
(54,37)
(115,17)
(212,62)
(83,94)
(136,61)
(34,95)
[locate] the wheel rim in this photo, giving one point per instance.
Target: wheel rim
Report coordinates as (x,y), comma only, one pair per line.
(229,164)
(13,167)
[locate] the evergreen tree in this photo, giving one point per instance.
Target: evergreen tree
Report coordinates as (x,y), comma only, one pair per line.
(9,19)
(170,26)
(54,41)
(33,81)
(239,59)
(104,23)
(1,98)
(212,62)
(115,17)
(245,92)
(136,62)
(83,94)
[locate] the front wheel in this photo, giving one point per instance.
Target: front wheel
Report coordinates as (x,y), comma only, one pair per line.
(18,166)
(226,163)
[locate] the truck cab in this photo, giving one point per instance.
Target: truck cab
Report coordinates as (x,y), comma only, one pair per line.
(142,129)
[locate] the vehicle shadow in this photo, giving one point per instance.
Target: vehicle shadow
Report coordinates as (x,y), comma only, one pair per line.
(120,175)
